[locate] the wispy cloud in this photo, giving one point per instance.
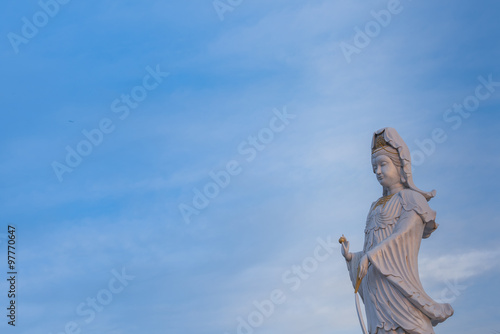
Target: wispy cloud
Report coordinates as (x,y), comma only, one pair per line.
(459,266)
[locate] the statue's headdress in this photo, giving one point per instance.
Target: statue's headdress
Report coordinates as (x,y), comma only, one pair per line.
(390,141)
(380,143)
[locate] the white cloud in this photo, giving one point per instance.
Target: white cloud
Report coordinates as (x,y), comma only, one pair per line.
(458,266)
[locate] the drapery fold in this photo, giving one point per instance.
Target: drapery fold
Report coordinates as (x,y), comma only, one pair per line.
(395,301)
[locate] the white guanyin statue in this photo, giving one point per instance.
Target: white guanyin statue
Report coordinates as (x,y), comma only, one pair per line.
(386,272)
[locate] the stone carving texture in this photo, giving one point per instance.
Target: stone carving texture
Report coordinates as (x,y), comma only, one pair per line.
(387,267)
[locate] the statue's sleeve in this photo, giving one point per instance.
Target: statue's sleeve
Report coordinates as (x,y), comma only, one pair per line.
(352,266)
(396,257)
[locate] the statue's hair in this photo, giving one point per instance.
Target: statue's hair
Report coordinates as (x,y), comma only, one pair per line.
(389,152)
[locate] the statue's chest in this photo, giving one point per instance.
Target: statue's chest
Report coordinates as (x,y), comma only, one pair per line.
(381,220)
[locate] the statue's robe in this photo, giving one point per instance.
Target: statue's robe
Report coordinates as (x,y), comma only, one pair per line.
(395,301)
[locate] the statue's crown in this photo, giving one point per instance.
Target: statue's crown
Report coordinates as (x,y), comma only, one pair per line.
(379,142)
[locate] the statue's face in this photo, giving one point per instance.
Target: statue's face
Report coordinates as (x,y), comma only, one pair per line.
(387,173)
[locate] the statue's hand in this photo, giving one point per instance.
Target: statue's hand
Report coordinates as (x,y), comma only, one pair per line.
(345,250)
(363,267)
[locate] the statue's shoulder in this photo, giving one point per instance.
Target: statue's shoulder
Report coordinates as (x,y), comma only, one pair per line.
(414,201)
(412,198)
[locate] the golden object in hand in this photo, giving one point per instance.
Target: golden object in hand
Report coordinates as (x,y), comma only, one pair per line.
(358,282)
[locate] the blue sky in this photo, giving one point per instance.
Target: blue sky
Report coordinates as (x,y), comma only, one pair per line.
(111,229)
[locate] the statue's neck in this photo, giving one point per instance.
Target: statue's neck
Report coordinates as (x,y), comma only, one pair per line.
(394,189)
